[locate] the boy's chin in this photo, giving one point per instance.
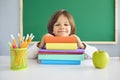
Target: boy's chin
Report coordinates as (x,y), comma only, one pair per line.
(63,35)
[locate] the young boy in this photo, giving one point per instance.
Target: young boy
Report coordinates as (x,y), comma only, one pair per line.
(62,24)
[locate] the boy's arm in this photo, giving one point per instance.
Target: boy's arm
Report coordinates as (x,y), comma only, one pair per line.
(80,44)
(41,43)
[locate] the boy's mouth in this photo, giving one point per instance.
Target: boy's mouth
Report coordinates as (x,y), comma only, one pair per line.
(62,31)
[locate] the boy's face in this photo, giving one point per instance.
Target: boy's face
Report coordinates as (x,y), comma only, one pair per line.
(62,27)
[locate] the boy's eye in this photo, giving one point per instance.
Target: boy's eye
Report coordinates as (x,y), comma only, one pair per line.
(60,24)
(57,24)
(66,24)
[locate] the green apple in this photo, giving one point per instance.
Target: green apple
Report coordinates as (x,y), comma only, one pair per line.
(100,59)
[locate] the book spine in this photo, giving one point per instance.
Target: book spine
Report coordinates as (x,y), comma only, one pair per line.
(44,51)
(60,57)
(60,62)
(61,53)
(61,46)
(49,39)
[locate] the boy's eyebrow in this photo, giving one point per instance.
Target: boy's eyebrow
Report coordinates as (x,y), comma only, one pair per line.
(59,23)
(56,23)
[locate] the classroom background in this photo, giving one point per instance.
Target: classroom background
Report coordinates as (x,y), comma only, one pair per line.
(10,24)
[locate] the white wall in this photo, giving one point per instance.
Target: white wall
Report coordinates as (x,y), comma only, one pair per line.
(9,24)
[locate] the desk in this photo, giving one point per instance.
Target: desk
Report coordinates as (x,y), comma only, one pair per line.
(85,71)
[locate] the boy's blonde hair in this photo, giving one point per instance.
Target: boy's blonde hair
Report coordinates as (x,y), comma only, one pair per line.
(54,18)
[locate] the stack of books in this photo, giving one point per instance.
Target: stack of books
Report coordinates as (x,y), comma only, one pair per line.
(60,50)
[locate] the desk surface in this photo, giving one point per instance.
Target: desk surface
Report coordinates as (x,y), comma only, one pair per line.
(85,71)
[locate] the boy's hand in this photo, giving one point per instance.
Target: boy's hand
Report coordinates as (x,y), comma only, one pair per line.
(79,42)
(42,43)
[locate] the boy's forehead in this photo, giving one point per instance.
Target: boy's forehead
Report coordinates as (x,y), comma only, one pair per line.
(63,18)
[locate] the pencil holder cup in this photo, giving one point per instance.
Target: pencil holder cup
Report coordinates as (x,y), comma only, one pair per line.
(19,58)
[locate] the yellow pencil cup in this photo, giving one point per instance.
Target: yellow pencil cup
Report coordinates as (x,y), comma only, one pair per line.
(19,58)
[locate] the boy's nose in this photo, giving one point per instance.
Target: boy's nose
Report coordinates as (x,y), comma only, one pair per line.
(62,26)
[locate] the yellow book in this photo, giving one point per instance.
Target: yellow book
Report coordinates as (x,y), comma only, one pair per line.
(61,46)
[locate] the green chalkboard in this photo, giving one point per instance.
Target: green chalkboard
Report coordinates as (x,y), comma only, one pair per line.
(95,19)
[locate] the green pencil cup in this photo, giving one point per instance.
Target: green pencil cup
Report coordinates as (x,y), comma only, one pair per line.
(18,58)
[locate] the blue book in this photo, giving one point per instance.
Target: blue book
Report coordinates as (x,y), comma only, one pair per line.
(60,62)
